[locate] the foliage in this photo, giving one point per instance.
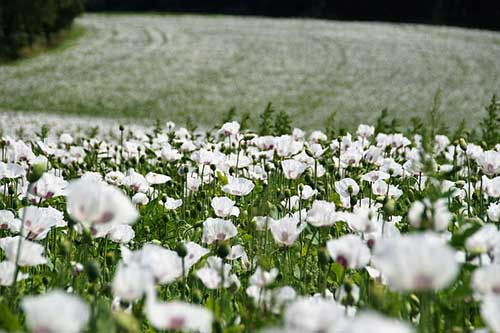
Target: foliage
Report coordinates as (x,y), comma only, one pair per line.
(23,22)
(490,125)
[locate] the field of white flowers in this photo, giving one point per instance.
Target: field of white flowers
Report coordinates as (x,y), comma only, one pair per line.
(148,66)
(147,229)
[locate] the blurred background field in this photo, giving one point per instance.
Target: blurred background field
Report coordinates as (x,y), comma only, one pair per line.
(173,66)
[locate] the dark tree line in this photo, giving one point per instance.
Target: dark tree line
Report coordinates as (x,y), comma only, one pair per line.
(24,22)
(471,13)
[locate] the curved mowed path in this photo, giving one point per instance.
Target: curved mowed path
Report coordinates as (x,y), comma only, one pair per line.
(165,66)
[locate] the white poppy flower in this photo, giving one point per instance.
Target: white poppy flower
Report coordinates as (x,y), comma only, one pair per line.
(39,220)
(435,214)
(7,271)
(131,281)
(211,275)
(218,230)
(313,314)
(31,253)
(370,322)
(165,265)
(349,251)
(292,169)
(140,199)
(322,213)
(179,316)
(263,278)
(347,187)
(156,178)
(93,202)
(55,311)
(172,203)
(484,240)
(415,262)
(238,186)
(489,162)
(286,230)
(486,280)
(494,212)
(490,310)
(224,207)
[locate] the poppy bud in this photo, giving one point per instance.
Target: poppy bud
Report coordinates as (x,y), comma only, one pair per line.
(93,271)
(248,137)
(197,296)
(121,128)
(64,247)
(218,327)
(181,249)
(288,193)
(389,207)
(462,143)
(36,170)
(222,178)
(301,187)
(126,322)
(86,236)
(323,256)
(223,250)
(233,288)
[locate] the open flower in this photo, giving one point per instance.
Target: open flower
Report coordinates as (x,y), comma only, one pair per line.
(156,178)
(486,280)
(494,212)
(216,274)
(371,322)
(489,162)
(179,316)
(224,207)
(484,240)
(349,251)
(347,187)
(164,265)
(263,278)
(92,202)
(415,262)
(490,310)
(313,314)
(286,230)
(131,281)
(238,186)
(322,213)
(432,214)
(7,272)
(31,253)
(218,230)
(55,311)
(38,221)
(292,169)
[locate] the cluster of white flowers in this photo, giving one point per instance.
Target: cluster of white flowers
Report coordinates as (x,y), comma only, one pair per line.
(272,181)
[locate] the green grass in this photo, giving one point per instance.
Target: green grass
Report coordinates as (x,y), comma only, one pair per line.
(172,66)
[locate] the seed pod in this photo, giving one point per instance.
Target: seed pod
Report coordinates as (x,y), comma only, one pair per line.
(93,271)
(223,250)
(181,249)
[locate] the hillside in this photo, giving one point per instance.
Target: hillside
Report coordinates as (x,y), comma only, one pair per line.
(169,66)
